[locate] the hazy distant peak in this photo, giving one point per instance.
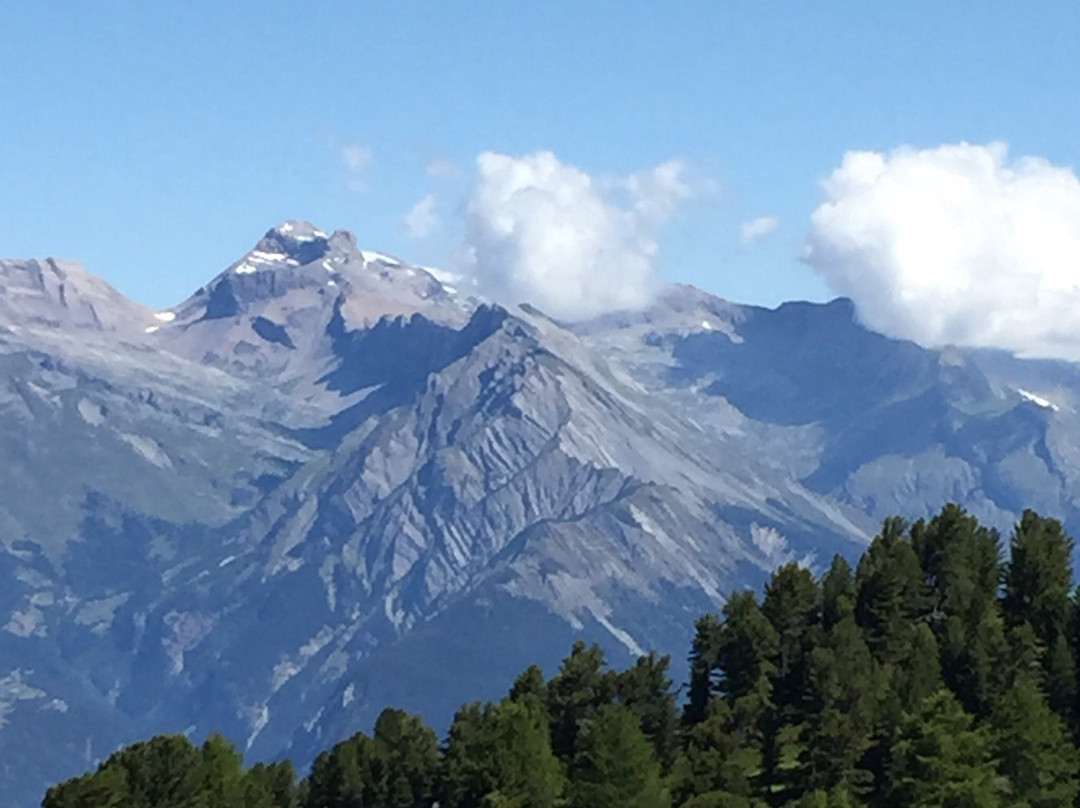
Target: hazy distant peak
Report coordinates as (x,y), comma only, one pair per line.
(680,308)
(56,293)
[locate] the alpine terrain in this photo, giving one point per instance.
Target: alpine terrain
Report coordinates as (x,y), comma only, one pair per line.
(330,481)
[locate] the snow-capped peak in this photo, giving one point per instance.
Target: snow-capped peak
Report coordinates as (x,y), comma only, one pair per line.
(291,243)
(297,230)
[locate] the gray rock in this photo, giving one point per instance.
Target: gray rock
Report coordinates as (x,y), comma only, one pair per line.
(326,482)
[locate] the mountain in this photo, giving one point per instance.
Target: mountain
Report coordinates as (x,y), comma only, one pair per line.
(329,481)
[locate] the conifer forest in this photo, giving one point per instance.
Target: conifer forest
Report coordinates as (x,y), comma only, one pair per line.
(940,670)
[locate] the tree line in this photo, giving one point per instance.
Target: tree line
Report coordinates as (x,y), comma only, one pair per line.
(936,673)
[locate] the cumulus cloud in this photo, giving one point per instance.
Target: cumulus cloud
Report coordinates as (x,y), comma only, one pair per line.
(540,231)
(955,245)
(757,229)
(356,157)
(422,219)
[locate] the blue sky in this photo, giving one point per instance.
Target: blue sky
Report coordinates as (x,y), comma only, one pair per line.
(155,142)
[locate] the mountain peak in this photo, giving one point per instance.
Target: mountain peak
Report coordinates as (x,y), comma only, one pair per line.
(296,229)
(291,243)
(61,294)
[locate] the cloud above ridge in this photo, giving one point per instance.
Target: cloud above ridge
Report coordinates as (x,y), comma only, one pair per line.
(422,219)
(356,158)
(541,231)
(955,245)
(756,229)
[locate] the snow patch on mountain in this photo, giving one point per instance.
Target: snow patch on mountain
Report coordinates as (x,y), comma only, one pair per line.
(1037,400)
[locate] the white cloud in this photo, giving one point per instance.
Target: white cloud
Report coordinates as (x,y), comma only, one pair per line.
(955,245)
(422,219)
(540,231)
(356,158)
(442,168)
(757,229)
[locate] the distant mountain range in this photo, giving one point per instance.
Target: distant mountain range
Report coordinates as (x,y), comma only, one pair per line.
(330,481)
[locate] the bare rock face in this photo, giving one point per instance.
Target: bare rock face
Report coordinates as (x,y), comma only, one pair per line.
(328,481)
(53,293)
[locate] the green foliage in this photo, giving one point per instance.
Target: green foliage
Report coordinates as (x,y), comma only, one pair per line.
(891,596)
(1035,754)
(467,779)
(530,684)
(405,752)
(791,607)
(105,788)
(501,755)
(164,772)
(842,700)
(837,593)
(718,759)
(704,661)
(933,675)
(646,689)
(961,561)
(747,648)
(614,766)
(223,781)
(582,685)
(940,758)
(1038,580)
(277,781)
(524,768)
(397,768)
(1038,577)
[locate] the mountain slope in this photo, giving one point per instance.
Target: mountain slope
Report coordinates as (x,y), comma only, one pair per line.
(327,481)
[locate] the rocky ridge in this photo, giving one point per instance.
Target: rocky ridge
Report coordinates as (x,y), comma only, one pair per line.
(328,481)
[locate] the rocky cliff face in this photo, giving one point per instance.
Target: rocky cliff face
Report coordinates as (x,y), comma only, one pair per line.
(328,481)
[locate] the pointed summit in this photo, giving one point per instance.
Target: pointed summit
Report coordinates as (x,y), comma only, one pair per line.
(296,230)
(272,308)
(291,243)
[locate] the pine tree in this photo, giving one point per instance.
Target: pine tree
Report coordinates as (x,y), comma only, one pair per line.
(530,684)
(106,788)
(704,661)
(223,782)
(891,598)
(278,780)
(791,605)
(747,645)
(524,770)
(839,797)
(646,689)
(1034,749)
(339,776)
(837,593)
(466,772)
(1038,580)
(582,685)
(719,762)
(614,766)
(163,772)
(404,754)
(1039,576)
(842,701)
(501,755)
(919,675)
(961,560)
(941,759)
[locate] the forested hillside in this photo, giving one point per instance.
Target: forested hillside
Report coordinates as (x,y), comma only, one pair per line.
(935,673)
